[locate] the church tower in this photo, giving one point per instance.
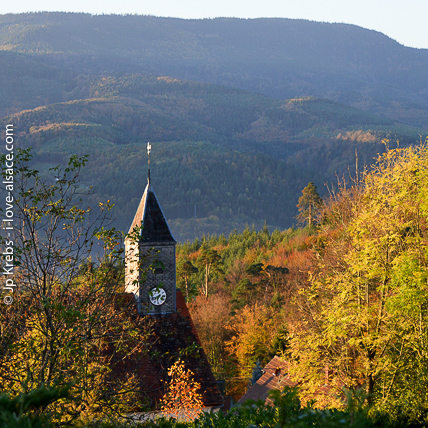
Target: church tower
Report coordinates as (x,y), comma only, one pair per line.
(150,257)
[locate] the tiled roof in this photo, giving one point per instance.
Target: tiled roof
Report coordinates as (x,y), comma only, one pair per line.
(275,376)
(149,215)
(172,336)
(175,335)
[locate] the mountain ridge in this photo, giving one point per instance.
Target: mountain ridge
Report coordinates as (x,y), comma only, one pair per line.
(279,57)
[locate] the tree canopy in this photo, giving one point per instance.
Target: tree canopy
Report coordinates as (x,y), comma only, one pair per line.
(309,204)
(365,311)
(69,322)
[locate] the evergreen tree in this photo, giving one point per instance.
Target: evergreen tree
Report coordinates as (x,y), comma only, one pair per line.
(309,203)
(257,373)
(185,270)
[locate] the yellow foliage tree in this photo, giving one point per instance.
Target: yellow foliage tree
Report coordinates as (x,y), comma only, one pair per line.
(365,313)
(68,324)
(182,399)
(253,329)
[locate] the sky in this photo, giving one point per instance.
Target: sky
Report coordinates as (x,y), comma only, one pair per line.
(403,20)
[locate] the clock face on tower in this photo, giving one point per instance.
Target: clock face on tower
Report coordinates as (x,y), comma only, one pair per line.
(157,296)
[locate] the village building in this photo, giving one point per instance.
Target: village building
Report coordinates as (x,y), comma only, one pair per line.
(150,279)
(277,376)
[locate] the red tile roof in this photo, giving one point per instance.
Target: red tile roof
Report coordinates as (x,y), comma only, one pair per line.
(275,376)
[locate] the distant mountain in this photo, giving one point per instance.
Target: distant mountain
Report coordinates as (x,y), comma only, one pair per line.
(281,58)
(222,157)
(242,114)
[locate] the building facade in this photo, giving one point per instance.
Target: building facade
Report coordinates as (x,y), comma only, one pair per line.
(150,258)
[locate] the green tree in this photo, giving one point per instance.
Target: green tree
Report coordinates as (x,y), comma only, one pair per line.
(257,373)
(185,270)
(270,276)
(244,293)
(365,312)
(281,342)
(309,204)
(26,410)
(65,313)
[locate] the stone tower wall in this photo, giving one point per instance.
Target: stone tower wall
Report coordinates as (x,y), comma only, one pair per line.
(151,254)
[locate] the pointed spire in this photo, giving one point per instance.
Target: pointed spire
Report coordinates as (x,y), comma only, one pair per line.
(150,215)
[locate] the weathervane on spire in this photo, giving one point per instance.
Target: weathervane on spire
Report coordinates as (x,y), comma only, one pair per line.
(149,149)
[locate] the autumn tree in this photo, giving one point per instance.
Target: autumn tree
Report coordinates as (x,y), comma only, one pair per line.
(210,316)
(182,399)
(68,313)
(309,204)
(252,330)
(365,312)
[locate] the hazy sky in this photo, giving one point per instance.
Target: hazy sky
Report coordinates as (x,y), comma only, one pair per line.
(403,20)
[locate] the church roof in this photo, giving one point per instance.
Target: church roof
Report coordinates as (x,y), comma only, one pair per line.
(170,337)
(176,336)
(149,215)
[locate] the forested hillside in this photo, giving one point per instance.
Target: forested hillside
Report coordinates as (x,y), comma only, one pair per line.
(222,157)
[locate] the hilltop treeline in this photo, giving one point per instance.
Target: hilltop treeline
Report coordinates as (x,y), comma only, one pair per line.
(281,58)
(105,85)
